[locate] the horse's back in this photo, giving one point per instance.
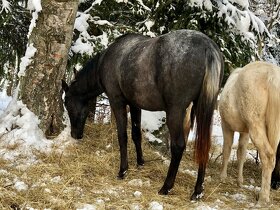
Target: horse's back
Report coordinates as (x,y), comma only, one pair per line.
(152,72)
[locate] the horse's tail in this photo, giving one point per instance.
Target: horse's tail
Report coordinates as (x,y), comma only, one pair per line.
(206,102)
(272,110)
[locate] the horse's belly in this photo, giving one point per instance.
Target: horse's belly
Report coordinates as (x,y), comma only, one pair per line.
(232,119)
(143,92)
(238,125)
(149,100)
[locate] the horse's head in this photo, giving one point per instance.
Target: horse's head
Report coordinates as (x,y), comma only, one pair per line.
(77,108)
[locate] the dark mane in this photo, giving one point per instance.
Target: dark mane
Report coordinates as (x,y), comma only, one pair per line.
(82,83)
(89,67)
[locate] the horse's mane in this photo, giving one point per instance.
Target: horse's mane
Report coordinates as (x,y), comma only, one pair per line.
(81,82)
(91,65)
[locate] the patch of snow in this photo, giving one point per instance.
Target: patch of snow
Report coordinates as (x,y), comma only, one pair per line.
(239,197)
(205,207)
(152,121)
(34,5)
(4,101)
(103,22)
(20,134)
(27,59)
(86,207)
(154,205)
(6,6)
(152,138)
(81,22)
(252,188)
(190,172)
(143,5)
(137,194)
(136,182)
(135,206)
(20,186)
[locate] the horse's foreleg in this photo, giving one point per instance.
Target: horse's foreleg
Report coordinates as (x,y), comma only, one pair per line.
(241,155)
(136,132)
(228,140)
(121,120)
(178,145)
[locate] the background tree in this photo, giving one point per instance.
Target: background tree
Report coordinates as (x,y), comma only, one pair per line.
(14,24)
(40,83)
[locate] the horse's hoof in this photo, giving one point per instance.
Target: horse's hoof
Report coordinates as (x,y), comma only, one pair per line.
(262,204)
(262,201)
(122,175)
(163,191)
(196,196)
(140,162)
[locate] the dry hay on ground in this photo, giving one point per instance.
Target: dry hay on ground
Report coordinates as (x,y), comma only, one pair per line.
(85,173)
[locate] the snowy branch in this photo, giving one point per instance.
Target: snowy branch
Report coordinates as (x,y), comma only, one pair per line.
(6,6)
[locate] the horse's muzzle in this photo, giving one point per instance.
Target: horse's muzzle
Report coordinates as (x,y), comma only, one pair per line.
(76,135)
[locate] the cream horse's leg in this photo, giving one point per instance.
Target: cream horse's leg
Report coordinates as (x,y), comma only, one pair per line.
(187,122)
(267,156)
(241,155)
(228,140)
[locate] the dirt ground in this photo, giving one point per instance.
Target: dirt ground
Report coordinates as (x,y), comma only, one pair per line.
(85,173)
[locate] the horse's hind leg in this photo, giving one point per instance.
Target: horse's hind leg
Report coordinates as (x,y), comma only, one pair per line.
(228,140)
(241,155)
(267,156)
(178,145)
(198,190)
(121,120)
(136,132)
(187,122)
(275,178)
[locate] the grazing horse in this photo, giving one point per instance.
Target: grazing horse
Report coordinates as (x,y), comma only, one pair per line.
(249,104)
(164,73)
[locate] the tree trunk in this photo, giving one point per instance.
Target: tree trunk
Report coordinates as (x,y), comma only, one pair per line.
(40,87)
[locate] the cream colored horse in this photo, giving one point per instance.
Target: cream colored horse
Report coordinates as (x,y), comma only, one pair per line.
(250,104)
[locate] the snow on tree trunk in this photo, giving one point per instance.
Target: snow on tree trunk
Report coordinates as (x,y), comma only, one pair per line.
(40,87)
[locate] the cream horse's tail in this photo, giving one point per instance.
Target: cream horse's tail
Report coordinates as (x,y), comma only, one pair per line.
(273,106)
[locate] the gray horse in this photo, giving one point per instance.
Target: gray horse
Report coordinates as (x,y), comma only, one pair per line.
(162,73)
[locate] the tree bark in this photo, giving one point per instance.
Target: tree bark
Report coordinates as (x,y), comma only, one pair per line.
(40,87)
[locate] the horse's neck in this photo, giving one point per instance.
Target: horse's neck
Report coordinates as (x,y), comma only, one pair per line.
(90,86)
(88,79)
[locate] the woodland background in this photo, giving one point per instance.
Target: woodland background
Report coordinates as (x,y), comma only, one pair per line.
(42,41)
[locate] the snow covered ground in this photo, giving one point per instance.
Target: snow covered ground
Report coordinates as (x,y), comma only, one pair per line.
(19,130)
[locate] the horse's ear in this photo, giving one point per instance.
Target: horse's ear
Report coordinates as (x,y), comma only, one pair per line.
(65,87)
